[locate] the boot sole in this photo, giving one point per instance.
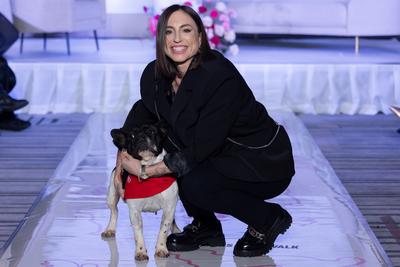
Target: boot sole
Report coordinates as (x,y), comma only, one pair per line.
(283,226)
(178,247)
(10,109)
(212,242)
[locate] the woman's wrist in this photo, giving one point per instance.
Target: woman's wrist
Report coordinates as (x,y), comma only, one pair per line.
(156,170)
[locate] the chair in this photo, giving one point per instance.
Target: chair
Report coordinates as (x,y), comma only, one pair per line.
(58,16)
(396,111)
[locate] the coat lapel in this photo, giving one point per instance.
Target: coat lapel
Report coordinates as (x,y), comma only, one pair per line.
(161,102)
(182,98)
(192,82)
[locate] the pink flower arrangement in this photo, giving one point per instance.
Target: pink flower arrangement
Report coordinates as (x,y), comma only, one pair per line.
(216,18)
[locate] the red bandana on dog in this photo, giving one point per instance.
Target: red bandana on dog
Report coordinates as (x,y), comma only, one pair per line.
(146,188)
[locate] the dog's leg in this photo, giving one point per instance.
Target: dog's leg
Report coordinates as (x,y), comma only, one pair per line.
(118,187)
(166,222)
(174,227)
(137,224)
(169,200)
(112,201)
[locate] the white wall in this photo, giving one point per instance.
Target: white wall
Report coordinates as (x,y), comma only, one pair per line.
(126,18)
(5,9)
(126,6)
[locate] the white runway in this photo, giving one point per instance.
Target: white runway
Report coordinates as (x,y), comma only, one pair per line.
(64,229)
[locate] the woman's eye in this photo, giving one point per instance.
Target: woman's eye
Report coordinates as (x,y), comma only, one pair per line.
(168,32)
(187,30)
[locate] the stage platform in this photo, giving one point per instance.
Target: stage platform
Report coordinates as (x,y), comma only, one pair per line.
(316,75)
(64,229)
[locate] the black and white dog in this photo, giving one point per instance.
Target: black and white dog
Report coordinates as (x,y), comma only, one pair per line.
(145,144)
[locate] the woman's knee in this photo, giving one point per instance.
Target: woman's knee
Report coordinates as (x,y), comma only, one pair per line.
(193,188)
(198,187)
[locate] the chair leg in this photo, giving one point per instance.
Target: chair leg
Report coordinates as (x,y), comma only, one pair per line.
(21,43)
(357,45)
(45,41)
(96,40)
(67,38)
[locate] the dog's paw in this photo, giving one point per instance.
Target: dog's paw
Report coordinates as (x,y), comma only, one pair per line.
(108,234)
(162,253)
(141,256)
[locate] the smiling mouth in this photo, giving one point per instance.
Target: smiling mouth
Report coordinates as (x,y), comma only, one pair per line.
(178,49)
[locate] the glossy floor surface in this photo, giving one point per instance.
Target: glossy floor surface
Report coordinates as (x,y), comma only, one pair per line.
(64,229)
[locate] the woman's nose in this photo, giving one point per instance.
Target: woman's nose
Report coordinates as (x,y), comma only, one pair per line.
(177,37)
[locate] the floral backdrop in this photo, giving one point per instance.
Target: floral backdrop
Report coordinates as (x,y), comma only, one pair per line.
(217,18)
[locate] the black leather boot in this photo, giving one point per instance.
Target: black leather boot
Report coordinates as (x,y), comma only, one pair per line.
(9,121)
(195,235)
(7,103)
(257,242)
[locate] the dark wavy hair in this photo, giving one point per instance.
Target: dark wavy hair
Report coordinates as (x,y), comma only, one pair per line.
(164,65)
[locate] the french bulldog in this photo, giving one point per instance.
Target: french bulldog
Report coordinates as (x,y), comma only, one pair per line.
(145,144)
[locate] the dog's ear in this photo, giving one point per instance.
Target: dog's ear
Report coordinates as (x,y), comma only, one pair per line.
(119,138)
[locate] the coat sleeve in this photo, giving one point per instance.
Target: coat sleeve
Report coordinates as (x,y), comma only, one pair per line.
(137,116)
(220,110)
(140,113)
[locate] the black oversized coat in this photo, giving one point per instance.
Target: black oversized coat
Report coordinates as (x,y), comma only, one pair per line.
(215,117)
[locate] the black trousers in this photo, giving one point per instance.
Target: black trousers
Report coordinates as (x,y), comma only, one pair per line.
(7,83)
(7,76)
(204,191)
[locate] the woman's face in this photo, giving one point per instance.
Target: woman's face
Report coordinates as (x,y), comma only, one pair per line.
(182,39)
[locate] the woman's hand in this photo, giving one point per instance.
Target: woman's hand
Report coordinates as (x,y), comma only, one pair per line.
(133,166)
(130,164)
(117,175)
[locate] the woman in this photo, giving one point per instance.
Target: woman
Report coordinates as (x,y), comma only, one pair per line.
(227,153)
